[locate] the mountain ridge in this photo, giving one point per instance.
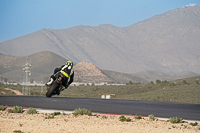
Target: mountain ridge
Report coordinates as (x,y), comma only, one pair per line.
(44,63)
(167,42)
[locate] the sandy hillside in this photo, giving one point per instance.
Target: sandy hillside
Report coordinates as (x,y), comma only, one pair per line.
(39,123)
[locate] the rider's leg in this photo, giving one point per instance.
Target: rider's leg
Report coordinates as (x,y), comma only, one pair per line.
(64,84)
(51,80)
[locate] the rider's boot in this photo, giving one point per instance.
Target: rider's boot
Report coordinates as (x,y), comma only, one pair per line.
(50,82)
(63,88)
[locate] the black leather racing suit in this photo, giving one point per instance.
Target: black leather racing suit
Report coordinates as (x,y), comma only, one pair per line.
(68,75)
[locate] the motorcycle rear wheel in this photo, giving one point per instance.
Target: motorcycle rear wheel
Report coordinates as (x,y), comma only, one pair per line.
(52,89)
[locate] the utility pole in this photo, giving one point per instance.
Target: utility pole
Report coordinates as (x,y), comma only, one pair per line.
(42,87)
(26,69)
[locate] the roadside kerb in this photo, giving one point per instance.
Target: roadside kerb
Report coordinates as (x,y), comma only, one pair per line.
(47,110)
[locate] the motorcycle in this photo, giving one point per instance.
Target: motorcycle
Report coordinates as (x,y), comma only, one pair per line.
(56,86)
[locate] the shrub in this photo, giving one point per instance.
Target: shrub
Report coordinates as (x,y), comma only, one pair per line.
(10,111)
(81,111)
(3,107)
(194,124)
(184,82)
(17,131)
(31,111)
(51,116)
(175,120)
(151,117)
(158,81)
(129,83)
(17,109)
(128,119)
(138,117)
(173,126)
(152,82)
(122,118)
(56,113)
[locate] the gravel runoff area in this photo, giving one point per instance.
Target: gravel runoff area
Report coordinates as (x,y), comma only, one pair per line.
(68,123)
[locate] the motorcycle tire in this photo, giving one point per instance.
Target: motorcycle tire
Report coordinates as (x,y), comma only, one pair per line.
(52,89)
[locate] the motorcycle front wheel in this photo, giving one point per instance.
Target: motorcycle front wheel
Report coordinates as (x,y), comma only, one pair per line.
(52,89)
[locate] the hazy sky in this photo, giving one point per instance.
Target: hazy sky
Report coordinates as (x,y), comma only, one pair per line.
(21,17)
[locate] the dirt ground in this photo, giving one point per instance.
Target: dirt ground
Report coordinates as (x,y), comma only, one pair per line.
(15,91)
(68,123)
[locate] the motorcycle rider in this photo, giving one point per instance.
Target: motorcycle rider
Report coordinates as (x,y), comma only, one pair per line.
(68,74)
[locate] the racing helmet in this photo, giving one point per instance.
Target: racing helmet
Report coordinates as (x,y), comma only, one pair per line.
(69,64)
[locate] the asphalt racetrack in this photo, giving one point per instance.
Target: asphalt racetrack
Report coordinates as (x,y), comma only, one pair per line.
(113,106)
